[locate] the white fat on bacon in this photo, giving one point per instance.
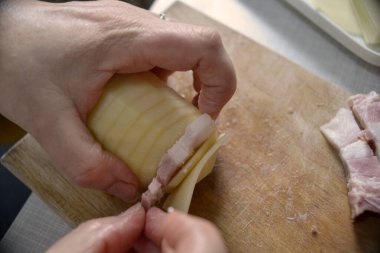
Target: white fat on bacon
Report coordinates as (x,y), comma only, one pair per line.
(195,134)
(355,150)
(359,103)
(363,196)
(342,129)
(362,166)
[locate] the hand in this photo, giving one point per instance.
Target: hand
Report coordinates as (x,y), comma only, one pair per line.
(111,234)
(55,60)
(180,233)
(167,233)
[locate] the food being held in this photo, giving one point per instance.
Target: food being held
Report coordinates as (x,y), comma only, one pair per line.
(157,133)
(355,146)
(195,134)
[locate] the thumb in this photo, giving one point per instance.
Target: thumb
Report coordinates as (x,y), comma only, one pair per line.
(181,233)
(105,235)
(72,148)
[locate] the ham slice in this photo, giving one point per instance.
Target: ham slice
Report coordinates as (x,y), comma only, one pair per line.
(362,166)
(195,134)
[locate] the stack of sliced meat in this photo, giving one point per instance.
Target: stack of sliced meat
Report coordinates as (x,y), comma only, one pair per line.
(356,136)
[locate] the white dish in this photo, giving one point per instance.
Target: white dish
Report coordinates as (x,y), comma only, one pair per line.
(353,43)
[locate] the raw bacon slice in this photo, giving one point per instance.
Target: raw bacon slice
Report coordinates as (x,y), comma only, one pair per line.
(366,108)
(195,134)
(342,129)
(364,195)
(362,167)
(359,103)
(355,150)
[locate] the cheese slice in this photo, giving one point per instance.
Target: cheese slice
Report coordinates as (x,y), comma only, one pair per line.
(368,16)
(180,197)
(340,12)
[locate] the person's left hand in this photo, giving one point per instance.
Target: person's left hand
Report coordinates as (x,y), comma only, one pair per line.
(111,234)
(137,231)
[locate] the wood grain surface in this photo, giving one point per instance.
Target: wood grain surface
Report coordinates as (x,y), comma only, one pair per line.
(277,187)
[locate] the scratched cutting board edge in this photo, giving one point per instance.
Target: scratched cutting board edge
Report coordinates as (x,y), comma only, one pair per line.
(277,185)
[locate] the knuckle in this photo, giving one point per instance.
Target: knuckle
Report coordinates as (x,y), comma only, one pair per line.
(82,180)
(212,37)
(87,168)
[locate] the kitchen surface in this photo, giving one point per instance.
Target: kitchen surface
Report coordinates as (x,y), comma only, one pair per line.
(299,47)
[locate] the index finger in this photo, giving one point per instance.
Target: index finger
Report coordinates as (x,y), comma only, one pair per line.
(181,47)
(186,47)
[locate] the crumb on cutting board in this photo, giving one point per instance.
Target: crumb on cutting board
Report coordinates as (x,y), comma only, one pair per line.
(314,230)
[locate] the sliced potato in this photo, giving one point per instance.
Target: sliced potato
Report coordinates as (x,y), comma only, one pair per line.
(139,118)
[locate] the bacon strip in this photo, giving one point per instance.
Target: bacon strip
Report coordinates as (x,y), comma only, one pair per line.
(362,166)
(366,108)
(342,129)
(195,134)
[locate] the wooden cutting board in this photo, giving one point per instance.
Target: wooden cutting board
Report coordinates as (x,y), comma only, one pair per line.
(277,187)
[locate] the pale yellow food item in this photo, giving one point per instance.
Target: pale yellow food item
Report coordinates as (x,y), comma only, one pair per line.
(180,198)
(129,115)
(340,12)
(191,163)
(368,15)
(139,118)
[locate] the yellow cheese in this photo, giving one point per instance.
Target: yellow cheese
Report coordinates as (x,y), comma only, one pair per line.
(368,15)
(190,164)
(340,12)
(180,197)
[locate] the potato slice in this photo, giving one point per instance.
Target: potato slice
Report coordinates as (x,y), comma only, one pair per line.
(139,118)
